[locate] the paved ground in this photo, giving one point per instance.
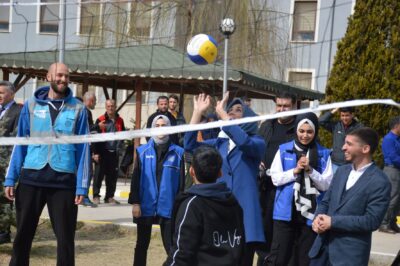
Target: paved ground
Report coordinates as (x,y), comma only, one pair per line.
(384,246)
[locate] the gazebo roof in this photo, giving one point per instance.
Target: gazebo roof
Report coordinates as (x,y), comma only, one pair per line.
(164,68)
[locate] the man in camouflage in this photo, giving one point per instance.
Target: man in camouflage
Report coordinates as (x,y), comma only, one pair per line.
(9,115)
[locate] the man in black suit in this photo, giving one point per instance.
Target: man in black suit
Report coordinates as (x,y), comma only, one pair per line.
(9,115)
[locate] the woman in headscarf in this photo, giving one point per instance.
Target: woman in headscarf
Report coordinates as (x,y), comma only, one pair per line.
(241,151)
(302,171)
(158,176)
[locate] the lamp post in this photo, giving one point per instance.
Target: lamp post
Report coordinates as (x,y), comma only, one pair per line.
(227,27)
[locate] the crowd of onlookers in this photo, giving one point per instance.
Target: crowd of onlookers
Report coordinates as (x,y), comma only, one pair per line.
(219,195)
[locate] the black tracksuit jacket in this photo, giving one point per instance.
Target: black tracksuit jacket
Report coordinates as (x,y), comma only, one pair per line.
(207,227)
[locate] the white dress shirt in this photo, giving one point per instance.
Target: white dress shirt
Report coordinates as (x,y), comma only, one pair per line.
(355,175)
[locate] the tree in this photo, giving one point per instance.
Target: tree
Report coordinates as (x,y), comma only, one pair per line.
(367,63)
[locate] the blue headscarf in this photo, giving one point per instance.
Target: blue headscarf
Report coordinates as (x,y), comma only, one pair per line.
(249,128)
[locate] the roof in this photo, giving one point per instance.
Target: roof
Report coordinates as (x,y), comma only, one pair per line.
(154,63)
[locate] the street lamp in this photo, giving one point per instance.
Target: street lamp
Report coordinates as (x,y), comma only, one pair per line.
(227,27)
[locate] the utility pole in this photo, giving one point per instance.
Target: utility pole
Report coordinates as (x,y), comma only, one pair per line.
(61,31)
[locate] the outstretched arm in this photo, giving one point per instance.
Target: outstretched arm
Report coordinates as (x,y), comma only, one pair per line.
(200,105)
(325,120)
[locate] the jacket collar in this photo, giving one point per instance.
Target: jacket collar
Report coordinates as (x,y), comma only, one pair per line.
(359,186)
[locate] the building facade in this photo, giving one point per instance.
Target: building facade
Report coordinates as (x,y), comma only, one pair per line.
(296,39)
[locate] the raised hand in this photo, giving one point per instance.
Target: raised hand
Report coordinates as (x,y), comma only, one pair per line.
(201,103)
(220,108)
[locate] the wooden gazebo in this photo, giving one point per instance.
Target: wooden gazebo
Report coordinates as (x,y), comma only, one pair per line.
(156,68)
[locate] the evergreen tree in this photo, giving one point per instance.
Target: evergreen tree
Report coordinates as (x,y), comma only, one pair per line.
(367,63)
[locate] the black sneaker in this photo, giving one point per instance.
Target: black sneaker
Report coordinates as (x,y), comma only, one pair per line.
(112,201)
(87,203)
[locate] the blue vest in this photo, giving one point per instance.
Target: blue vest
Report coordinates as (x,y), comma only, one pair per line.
(284,194)
(153,200)
(60,157)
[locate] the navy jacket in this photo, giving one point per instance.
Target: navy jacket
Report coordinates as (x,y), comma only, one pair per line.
(355,215)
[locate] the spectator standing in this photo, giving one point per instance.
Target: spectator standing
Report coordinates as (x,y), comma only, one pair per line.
(106,154)
(241,150)
(353,207)
(173,104)
(162,109)
(207,220)
(9,115)
(339,130)
(89,100)
(391,155)
(157,178)
(275,132)
(301,170)
(56,175)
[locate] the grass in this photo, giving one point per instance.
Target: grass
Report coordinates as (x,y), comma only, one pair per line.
(94,245)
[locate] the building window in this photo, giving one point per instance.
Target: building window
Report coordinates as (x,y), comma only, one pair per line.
(140,19)
(301,79)
(90,17)
(49,16)
(4,16)
(304,20)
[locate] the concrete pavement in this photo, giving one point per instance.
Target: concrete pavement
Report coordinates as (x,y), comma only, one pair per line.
(384,246)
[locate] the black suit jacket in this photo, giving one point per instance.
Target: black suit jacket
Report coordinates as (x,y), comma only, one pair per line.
(11,117)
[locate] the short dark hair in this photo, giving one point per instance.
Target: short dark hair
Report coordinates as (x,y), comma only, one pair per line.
(346,110)
(174,96)
(394,122)
(286,95)
(10,86)
(162,97)
(206,163)
(368,136)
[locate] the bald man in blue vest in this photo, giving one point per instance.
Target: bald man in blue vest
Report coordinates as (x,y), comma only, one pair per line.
(56,175)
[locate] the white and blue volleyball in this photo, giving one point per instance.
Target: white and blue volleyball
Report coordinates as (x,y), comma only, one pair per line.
(202,49)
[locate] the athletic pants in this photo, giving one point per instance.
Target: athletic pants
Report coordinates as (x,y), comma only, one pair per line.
(108,166)
(29,203)
(143,240)
(291,243)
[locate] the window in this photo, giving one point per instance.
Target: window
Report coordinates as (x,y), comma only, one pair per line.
(140,19)
(49,16)
(90,17)
(4,16)
(304,18)
(121,15)
(301,79)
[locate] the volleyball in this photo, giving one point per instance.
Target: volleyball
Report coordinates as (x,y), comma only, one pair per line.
(202,49)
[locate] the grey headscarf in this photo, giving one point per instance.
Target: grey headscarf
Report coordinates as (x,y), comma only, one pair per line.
(163,138)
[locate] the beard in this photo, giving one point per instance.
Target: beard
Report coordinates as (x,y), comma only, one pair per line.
(161,139)
(285,119)
(56,89)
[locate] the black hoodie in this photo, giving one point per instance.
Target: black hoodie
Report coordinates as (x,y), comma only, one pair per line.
(207,227)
